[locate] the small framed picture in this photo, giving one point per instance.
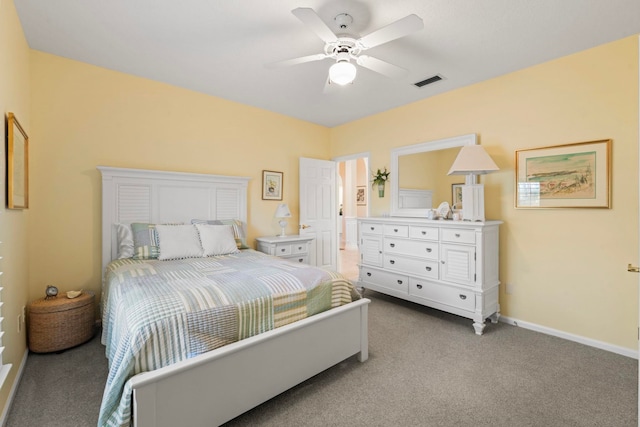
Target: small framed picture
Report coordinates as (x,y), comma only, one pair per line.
(272,185)
(456,196)
(361,195)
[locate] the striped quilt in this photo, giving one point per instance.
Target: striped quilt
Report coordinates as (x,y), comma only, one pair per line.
(156,313)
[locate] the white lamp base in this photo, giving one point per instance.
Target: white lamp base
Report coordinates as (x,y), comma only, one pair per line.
(282,223)
(473,202)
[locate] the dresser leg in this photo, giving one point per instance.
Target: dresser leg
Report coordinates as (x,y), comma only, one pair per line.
(494,317)
(479,327)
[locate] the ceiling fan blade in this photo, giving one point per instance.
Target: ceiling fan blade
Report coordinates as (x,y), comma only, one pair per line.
(395,30)
(296,61)
(381,67)
(311,19)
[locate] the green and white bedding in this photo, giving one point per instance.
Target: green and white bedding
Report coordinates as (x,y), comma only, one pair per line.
(156,313)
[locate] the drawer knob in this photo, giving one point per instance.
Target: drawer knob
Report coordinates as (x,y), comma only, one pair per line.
(282,250)
(369,274)
(391,261)
(301,260)
(442,261)
(399,282)
(424,233)
(299,248)
(429,249)
(428,268)
(393,245)
(463,297)
(373,228)
(419,286)
(457,234)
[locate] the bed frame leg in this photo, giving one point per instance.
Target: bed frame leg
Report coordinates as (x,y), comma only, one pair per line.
(364,333)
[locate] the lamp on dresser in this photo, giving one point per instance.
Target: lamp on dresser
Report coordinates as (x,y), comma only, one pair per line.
(282,212)
(472,160)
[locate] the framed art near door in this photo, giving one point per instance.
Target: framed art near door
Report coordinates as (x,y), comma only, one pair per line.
(17,164)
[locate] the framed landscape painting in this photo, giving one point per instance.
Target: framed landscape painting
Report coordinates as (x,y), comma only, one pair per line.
(564,176)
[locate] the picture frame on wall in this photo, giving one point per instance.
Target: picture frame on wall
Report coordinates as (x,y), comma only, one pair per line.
(361,195)
(17,164)
(272,185)
(574,175)
(456,196)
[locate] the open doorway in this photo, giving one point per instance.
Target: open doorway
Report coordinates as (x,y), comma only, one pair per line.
(353,202)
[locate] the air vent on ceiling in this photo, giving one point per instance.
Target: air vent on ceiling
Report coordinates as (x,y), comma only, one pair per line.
(428,81)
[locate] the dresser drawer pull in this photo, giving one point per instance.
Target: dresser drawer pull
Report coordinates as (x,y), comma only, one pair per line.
(300,259)
(299,248)
(424,233)
(373,228)
(369,274)
(457,234)
(395,230)
(282,250)
(391,261)
(428,268)
(393,245)
(399,282)
(419,286)
(442,261)
(429,249)
(463,297)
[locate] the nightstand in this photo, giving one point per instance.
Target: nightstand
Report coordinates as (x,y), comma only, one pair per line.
(294,247)
(59,323)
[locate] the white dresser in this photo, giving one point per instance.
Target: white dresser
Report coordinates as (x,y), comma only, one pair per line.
(294,247)
(448,265)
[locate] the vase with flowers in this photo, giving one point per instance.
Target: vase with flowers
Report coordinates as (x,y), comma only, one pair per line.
(380,177)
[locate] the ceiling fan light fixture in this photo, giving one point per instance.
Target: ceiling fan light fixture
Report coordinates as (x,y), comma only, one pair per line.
(342,73)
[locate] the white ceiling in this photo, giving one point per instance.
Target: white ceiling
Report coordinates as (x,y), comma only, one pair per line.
(220,47)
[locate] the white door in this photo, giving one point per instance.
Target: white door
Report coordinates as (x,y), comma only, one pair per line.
(318,210)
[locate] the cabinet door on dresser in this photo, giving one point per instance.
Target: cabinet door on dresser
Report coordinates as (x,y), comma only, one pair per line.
(458,264)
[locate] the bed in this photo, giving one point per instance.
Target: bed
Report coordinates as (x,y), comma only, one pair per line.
(209,387)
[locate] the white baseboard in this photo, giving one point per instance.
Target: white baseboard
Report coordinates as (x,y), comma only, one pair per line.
(14,389)
(571,337)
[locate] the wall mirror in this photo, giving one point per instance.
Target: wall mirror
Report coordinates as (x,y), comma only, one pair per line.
(419,179)
(17,165)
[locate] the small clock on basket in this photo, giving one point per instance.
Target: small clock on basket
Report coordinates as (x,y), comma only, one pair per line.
(51,292)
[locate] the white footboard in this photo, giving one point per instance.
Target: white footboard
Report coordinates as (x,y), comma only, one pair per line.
(216,387)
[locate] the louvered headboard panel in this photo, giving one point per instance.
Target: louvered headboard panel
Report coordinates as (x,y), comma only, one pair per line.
(139,195)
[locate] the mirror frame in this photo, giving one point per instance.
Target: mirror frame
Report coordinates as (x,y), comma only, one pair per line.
(439,144)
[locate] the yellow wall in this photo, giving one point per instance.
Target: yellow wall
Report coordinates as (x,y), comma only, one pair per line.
(567,266)
(14,97)
(88,116)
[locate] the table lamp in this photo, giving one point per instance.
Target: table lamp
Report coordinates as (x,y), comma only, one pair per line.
(472,160)
(282,212)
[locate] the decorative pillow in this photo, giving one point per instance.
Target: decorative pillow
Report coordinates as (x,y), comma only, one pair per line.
(236,225)
(145,241)
(178,242)
(124,237)
(217,239)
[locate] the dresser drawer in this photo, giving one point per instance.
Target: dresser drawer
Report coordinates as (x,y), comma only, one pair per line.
(396,230)
(427,233)
(416,248)
(302,259)
(465,300)
(412,266)
(299,248)
(283,249)
(396,282)
(371,228)
(458,235)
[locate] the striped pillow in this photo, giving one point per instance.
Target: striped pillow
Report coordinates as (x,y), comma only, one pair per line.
(145,240)
(236,225)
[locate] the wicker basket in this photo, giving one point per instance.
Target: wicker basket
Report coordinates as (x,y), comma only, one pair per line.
(59,323)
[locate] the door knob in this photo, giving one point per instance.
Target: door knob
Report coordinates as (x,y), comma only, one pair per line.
(303,226)
(633,269)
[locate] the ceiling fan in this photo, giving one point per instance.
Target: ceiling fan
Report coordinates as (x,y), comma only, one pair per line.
(344,48)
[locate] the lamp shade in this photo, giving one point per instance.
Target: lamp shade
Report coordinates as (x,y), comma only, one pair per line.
(342,72)
(472,160)
(282,211)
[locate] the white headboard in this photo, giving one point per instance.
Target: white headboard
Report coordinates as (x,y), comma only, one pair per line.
(138,195)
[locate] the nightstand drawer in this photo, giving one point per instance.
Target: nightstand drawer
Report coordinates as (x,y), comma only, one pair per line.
(283,250)
(303,259)
(299,248)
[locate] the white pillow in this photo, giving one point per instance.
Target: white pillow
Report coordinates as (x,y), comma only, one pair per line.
(217,239)
(178,241)
(124,236)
